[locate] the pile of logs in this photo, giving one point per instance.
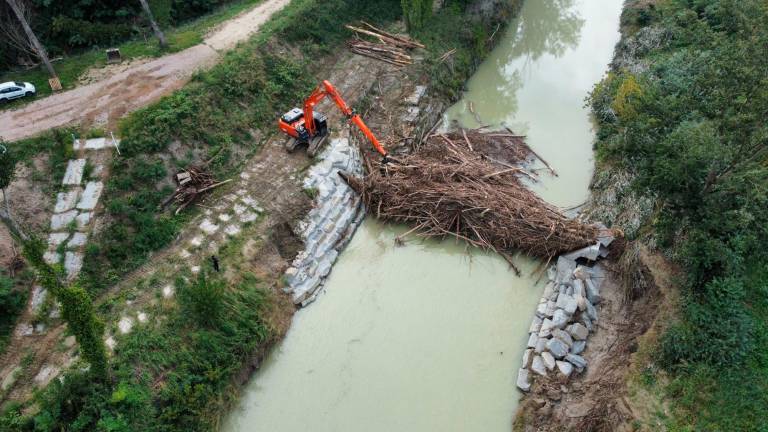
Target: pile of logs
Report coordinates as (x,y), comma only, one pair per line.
(390,48)
(191,183)
(468,184)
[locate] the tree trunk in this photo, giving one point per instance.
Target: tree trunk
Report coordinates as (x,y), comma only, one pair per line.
(7,219)
(36,45)
(153,23)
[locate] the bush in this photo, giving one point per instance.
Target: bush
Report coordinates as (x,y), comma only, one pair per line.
(203,299)
(691,127)
(12,304)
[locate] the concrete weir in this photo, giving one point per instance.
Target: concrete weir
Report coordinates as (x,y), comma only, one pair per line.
(330,224)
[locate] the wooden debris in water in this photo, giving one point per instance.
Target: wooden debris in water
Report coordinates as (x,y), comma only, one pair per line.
(466,184)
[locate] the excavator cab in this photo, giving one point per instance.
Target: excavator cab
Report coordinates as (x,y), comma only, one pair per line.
(292,123)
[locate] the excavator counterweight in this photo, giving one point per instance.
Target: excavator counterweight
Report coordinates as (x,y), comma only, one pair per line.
(313,132)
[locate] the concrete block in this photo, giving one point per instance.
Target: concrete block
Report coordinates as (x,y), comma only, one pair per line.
(74,174)
(66,201)
(208,227)
(52,258)
(532,340)
(82,220)
(78,240)
(61,221)
(57,238)
(73,262)
(90,196)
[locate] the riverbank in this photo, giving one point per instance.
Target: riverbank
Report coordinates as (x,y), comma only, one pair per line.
(187,379)
(687,352)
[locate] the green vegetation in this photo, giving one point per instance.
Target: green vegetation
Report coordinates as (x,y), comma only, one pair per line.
(457,43)
(11,305)
(691,127)
(76,306)
(173,375)
(416,13)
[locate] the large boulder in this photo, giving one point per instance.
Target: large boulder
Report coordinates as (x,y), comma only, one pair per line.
(565,368)
(538,366)
(578,331)
(567,303)
(563,336)
(558,348)
(548,359)
(576,360)
(523,379)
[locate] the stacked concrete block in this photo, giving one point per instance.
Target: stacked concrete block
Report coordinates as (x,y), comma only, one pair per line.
(565,316)
(330,224)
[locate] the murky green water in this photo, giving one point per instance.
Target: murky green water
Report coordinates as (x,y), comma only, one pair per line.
(428,337)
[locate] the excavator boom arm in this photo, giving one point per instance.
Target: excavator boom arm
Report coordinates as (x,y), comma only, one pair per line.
(327,89)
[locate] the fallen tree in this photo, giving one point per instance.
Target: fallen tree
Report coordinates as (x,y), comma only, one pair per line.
(467,184)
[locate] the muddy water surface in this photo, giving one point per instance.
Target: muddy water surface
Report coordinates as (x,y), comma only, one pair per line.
(429,336)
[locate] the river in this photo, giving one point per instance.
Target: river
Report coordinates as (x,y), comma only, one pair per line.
(429,336)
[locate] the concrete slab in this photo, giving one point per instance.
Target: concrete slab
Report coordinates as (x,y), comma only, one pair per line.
(93,144)
(208,227)
(78,240)
(90,196)
(82,220)
(66,201)
(39,294)
(232,230)
(57,238)
(61,221)
(73,262)
(74,174)
(416,96)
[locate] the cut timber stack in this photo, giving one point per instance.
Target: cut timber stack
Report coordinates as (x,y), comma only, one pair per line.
(466,184)
(390,48)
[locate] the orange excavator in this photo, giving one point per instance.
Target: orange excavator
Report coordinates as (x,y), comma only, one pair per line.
(310,127)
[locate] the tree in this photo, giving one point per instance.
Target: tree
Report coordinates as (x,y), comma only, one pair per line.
(30,41)
(153,23)
(416,13)
(7,172)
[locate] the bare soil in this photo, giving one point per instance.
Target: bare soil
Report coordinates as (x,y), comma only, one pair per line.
(105,101)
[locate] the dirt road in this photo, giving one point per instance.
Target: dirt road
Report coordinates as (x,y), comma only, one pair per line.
(104,102)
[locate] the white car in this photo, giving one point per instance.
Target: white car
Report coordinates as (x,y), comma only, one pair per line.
(13,90)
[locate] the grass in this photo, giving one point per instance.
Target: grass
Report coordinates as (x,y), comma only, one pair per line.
(72,67)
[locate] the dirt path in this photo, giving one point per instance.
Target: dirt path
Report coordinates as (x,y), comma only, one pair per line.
(106,101)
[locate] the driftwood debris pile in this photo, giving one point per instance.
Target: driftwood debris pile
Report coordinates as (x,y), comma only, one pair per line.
(467,184)
(390,48)
(191,183)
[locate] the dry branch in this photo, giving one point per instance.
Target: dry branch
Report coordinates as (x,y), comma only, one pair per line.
(466,184)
